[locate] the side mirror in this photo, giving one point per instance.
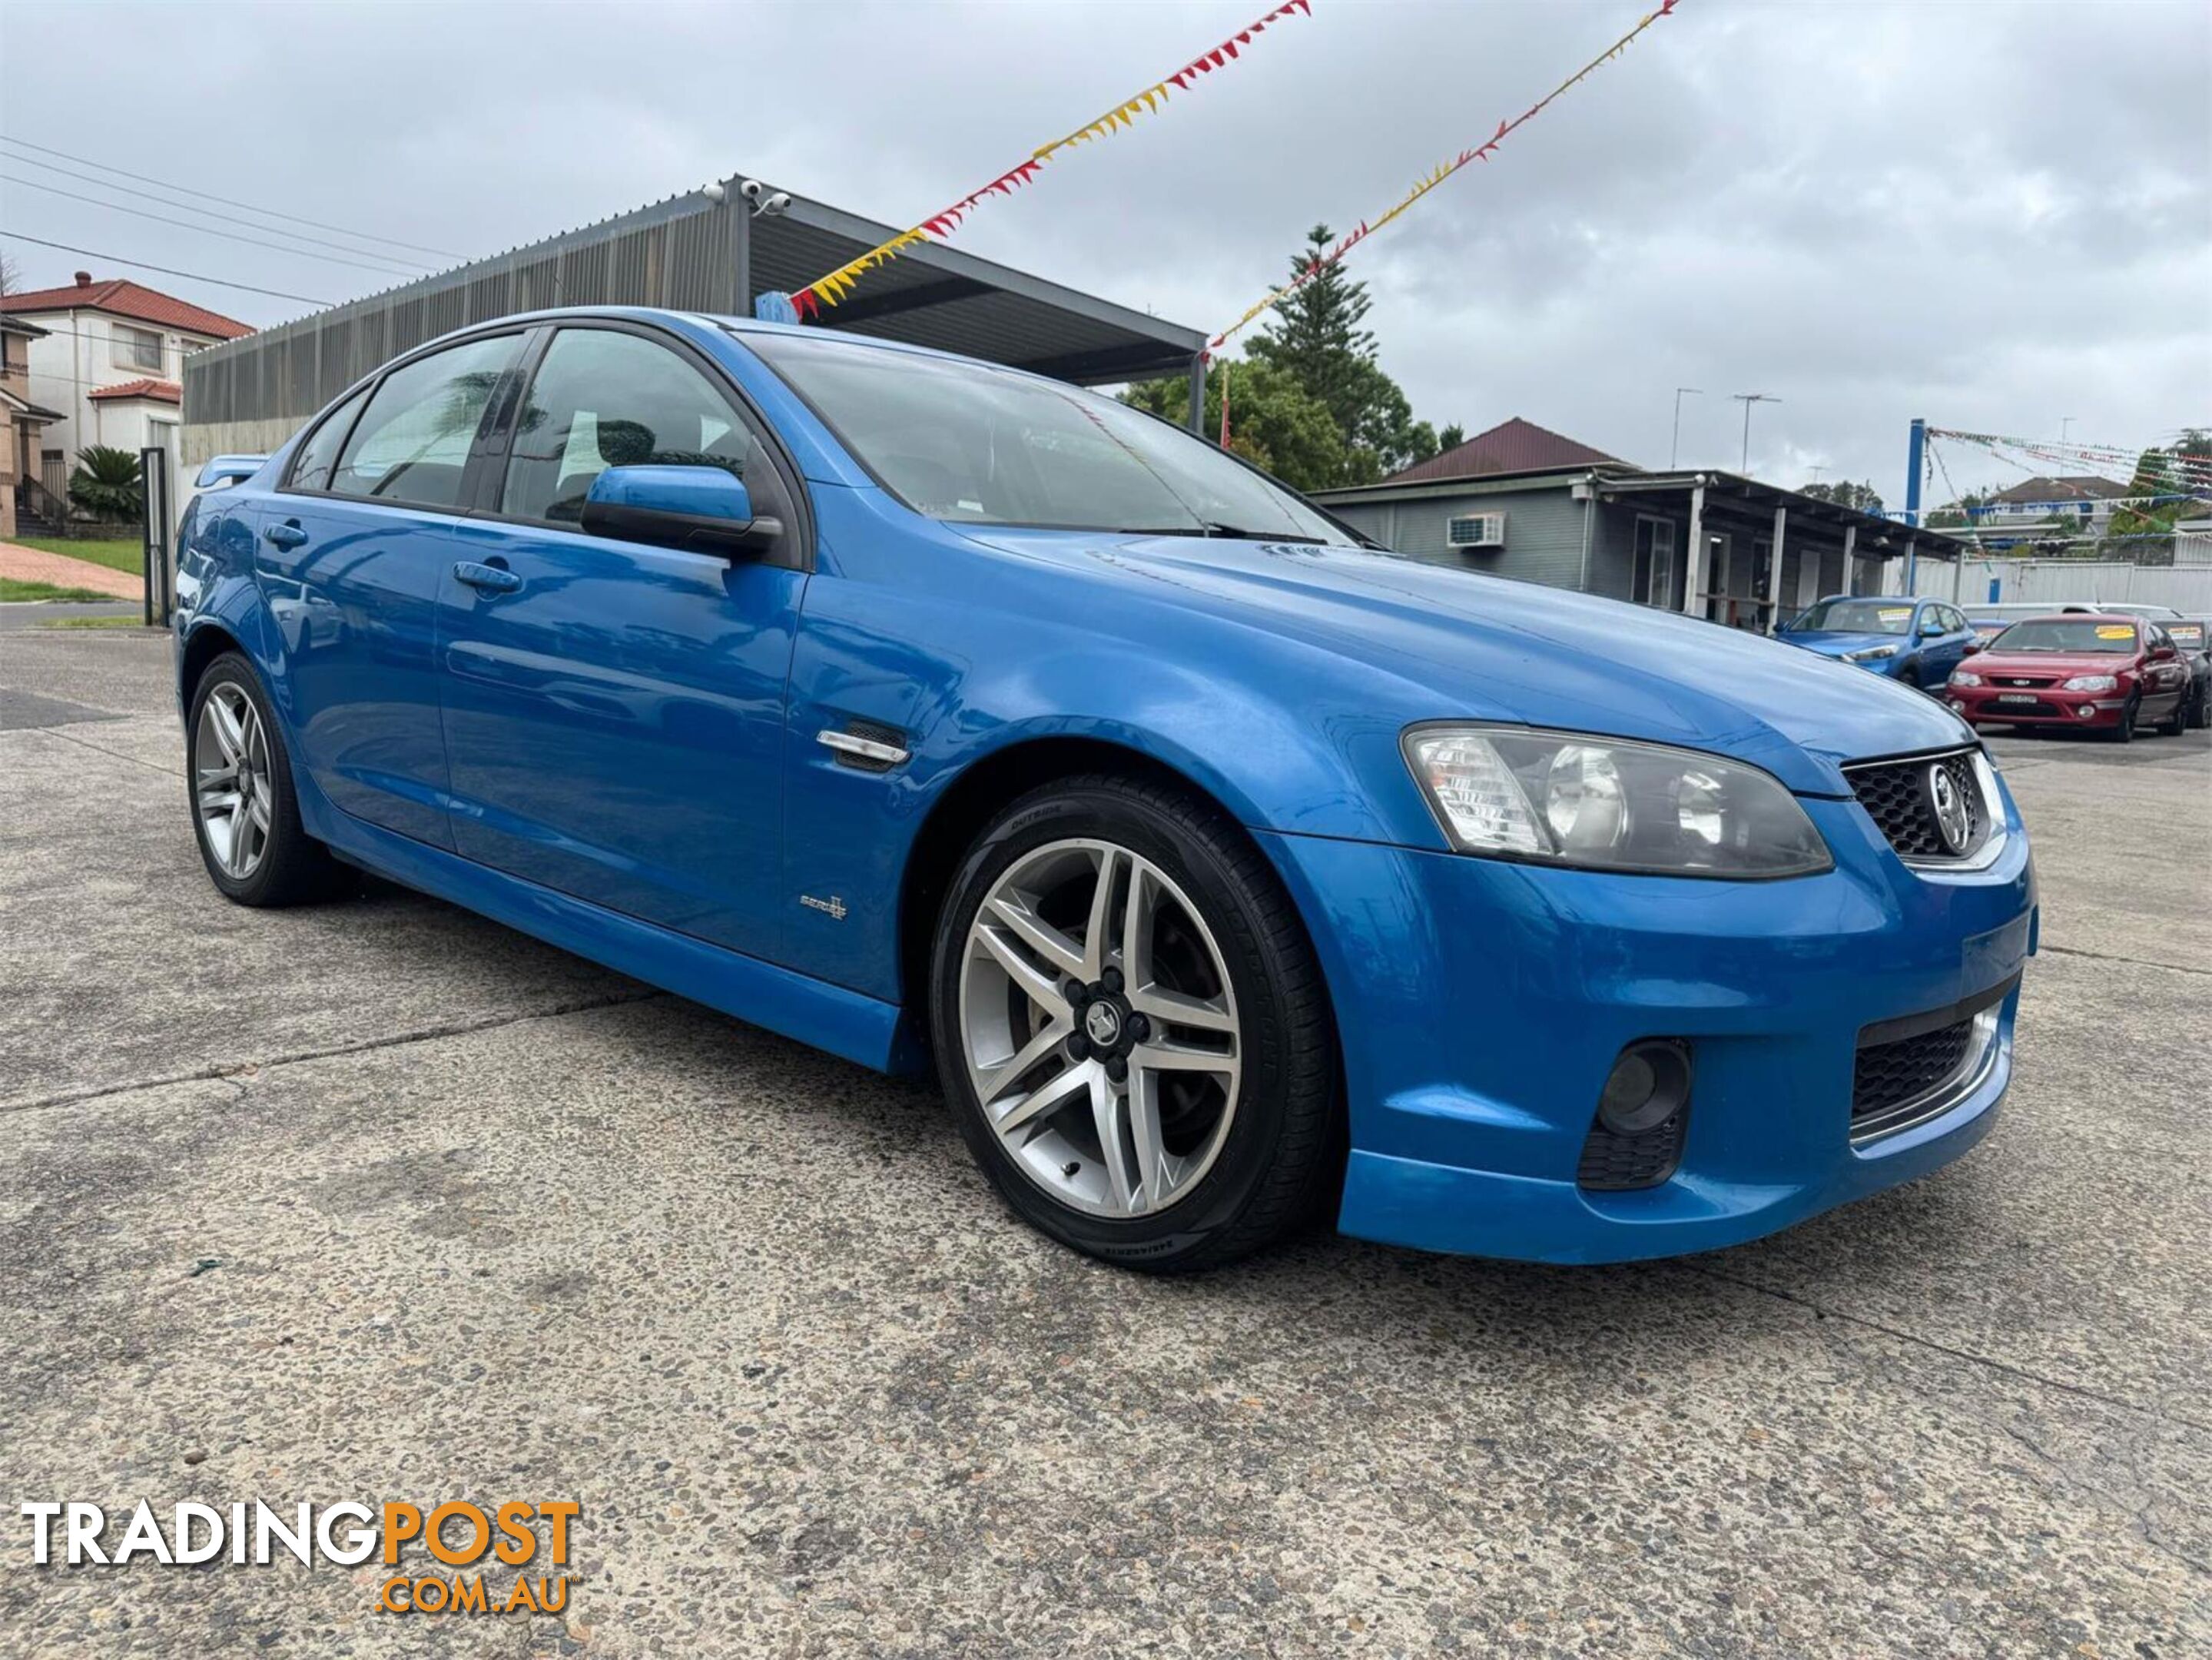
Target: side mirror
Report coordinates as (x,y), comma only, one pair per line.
(2162,654)
(707,510)
(1971,647)
(1929,628)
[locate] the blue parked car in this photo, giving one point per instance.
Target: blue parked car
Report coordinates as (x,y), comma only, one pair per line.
(1918,641)
(1227,869)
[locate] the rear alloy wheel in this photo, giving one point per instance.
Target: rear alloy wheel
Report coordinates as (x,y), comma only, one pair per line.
(1130,1024)
(245,815)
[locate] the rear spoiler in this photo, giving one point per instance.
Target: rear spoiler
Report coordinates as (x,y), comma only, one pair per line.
(228,470)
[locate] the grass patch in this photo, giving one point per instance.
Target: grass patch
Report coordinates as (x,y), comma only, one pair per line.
(95,623)
(11,589)
(129,556)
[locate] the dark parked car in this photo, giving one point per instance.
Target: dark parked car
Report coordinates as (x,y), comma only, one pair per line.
(2104,674)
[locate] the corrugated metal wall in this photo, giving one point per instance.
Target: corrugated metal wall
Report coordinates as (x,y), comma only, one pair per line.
(251,395)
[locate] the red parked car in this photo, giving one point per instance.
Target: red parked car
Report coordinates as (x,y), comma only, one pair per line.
(2102,674)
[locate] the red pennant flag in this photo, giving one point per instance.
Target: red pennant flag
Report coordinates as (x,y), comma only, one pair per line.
(1214,58)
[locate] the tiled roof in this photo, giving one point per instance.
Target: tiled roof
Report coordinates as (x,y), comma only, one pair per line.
(1514,446)
(125,298)
(161,392)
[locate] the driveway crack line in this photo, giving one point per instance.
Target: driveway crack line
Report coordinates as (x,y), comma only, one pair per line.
(235,1071)
(1988,1362)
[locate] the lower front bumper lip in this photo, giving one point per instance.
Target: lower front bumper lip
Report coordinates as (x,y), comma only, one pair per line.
(1475,1213)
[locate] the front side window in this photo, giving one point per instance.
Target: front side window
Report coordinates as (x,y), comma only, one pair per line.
(603,399)
(971,443)
(137,348)
(412,444)
(319,457)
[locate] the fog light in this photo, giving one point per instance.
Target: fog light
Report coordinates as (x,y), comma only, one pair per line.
(1648,1085)
(2086,710)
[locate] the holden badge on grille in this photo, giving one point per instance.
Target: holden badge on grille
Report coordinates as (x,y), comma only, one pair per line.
(1950,807)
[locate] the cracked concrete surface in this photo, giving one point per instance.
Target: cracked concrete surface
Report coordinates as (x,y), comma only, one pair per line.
(486,1220)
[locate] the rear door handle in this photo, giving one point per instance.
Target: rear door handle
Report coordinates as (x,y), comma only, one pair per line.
(490,578)
(286,535)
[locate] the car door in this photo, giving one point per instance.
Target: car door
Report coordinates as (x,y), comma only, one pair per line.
(2168,673)
(614,710)
(351,551)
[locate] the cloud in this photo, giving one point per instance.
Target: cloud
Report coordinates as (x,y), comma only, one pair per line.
(1995,216)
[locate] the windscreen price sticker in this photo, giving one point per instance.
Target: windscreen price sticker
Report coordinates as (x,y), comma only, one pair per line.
(455,1557)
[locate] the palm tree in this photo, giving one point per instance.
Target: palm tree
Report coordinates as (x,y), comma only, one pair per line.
(105,483)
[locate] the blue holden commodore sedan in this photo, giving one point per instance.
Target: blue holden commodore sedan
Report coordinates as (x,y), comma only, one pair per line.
(1229,869)
(1918,641)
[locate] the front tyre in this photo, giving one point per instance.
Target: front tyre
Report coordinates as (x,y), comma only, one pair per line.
(1132,1029)
(244,814)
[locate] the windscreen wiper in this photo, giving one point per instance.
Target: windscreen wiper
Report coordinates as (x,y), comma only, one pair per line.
(1215,527)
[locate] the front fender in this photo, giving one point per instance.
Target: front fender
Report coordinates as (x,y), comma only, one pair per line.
(964,657)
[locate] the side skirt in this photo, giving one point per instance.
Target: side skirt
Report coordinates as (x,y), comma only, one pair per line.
(813,1012)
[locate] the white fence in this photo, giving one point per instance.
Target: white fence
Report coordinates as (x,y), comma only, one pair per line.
(2187,588)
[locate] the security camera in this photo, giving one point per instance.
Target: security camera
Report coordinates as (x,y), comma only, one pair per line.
(775,204)
(751,189)
(715,193)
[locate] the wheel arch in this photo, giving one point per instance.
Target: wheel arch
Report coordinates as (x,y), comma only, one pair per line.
(976,795)
(207,641)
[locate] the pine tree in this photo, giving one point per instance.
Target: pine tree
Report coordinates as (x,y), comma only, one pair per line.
(1315,337)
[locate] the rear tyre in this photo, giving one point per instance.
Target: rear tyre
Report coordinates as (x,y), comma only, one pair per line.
(246,815)
(2200,714)
(1132,1029)
(2173,725)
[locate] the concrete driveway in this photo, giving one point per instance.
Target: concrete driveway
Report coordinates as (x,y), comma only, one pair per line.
(382,1201)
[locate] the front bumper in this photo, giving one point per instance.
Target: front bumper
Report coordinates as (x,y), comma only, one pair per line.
(1481,1004)
(2046,706)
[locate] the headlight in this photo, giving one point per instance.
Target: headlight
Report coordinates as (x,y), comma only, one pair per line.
(1609,803)
(2090,683)
(1964,678)
(1871,655)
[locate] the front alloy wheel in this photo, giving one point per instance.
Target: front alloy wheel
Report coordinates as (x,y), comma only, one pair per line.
(1098,1027)
(1132,1029)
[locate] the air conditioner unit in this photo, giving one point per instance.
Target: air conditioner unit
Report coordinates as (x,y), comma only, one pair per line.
(1475,530)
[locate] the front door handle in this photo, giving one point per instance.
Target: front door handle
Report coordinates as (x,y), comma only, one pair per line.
(490,579)
(286,535)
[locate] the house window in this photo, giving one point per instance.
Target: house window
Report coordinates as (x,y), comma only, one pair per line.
(137,348)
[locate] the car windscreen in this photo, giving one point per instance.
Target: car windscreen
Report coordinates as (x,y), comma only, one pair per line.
(1855,617)
(2189,636)
(970,443)
(2070,634)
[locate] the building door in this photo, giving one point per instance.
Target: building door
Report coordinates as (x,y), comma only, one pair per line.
(53,475)
(1653,582)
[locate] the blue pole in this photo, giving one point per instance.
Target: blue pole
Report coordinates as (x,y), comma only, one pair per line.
(1914,447)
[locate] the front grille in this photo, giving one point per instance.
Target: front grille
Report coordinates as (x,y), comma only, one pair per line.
(1896,795)
(1614,1163)
(1887,1075)
(2023,679)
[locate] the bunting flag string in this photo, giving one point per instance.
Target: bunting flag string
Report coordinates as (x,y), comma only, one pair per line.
(828,289)
(2102,458)
(1443,170)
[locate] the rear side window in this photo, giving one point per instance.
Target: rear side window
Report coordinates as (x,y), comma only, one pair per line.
(603,399)
(412,444)
(318,460)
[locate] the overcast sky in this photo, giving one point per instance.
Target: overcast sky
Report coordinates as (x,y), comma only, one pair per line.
(1996,216)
